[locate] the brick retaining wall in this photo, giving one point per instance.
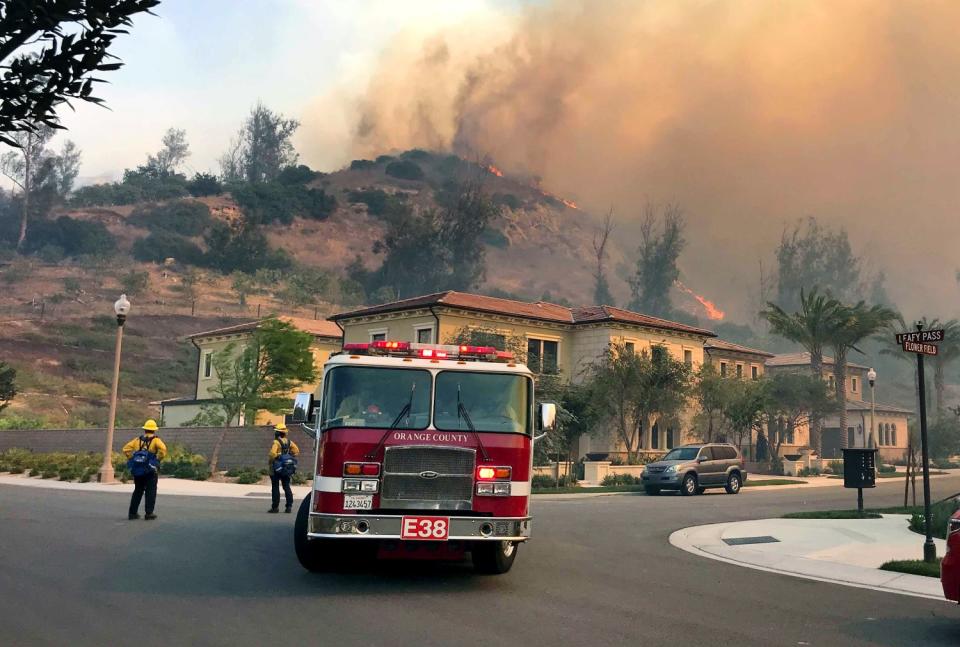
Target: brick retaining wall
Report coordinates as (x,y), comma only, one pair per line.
(242,446)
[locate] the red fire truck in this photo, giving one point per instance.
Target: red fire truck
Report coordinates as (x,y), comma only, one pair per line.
(423,452)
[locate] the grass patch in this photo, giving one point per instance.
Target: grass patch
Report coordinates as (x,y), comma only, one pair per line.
(913,567)
(892,475)
(760,482)
(833,514)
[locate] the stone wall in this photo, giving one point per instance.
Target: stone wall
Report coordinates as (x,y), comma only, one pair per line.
(242,446)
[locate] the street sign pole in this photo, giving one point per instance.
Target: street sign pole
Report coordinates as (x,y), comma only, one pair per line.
(929,548)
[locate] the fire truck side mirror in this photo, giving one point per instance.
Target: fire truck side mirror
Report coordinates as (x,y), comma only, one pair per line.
(548,416)
(303,408)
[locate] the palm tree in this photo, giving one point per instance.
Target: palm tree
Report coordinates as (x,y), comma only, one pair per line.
(852,325)
(812,327)
(948,351)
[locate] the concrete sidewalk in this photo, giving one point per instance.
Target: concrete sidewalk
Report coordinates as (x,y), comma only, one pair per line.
(841,551)
(177,487)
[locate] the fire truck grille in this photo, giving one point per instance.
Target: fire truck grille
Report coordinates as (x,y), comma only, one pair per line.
(431,478)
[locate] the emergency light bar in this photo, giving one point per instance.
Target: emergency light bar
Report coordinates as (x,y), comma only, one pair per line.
(429,351)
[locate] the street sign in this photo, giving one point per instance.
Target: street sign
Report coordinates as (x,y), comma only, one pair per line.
(921,336)
(917,347)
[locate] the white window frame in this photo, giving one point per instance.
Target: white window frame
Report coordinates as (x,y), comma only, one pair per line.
(431,327)
(204,365)
(853,384)
(372,332)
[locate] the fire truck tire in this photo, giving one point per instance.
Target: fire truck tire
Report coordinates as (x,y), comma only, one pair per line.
(315,555)
(494,557)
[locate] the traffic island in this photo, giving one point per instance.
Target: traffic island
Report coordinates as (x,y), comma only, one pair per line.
(846,551)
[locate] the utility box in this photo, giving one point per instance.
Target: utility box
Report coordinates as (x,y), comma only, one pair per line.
(859,467)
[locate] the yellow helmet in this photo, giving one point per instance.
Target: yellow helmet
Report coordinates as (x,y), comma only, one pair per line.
(282,428)
(150,425)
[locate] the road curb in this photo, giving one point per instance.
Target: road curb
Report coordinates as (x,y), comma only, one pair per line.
(705,541)
(167,487)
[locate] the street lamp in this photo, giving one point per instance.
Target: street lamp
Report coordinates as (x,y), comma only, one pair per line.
(872,378)
(121,307)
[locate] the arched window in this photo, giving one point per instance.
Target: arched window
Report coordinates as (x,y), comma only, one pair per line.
(893,434)
(886,433)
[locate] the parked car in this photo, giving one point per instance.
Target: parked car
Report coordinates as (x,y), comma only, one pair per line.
(950,566)
(694,468)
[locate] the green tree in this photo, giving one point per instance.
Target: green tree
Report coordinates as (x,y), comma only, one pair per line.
(174,150)
(661,241)
(50,51)
(260,373)
(948,351)
(852,324)
(243,286)
(812,326)
(8,386)
(747,401)
(710,392)
(794,400)
(262,149)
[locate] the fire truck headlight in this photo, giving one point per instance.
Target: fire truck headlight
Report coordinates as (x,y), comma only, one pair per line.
(493,489)
(351,485)
(368,485)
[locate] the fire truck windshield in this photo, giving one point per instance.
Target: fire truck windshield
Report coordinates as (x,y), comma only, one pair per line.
(492,401)
(355,396)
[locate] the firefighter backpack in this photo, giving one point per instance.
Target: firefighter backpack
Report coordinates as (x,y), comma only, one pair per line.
(285,464)
(143,461)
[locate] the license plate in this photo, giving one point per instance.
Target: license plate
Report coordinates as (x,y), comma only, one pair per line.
(357,501)
(425,528)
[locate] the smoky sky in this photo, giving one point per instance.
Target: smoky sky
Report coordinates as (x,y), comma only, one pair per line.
(750,115)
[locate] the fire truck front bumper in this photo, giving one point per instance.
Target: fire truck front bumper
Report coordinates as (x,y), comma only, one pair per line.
(390,526)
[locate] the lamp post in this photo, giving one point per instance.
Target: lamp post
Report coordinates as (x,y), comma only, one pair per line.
(121,308)
(872,377)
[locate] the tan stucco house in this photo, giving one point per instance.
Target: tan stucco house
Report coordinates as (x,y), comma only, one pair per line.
(557,338)
(179,411)
(890,421)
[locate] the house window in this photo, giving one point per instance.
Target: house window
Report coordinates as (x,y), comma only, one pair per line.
(789,438)
(739,370)
(542,355)
(830,381)
(658,353)
(655,436)
(425,335)
(754,372)
(207,364)
(630,347)
(688,358)
(853,384)
(670,438)
(723,369)
(893,434)
(378,335)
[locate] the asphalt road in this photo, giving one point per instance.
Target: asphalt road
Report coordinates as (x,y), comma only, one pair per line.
(599,571)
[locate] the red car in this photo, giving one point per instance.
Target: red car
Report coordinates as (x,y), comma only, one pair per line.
(950,566)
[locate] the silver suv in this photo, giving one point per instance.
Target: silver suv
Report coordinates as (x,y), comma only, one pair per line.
(694,468)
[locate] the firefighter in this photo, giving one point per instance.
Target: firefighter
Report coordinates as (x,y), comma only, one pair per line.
(146,483)
(281,444)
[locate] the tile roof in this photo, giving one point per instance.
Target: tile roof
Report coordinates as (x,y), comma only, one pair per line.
(863,405)
(540,311)
(721,344)
(317,327)
(803,359)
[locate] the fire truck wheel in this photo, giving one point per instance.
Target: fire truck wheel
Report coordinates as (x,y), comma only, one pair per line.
(315,555)
(494,557)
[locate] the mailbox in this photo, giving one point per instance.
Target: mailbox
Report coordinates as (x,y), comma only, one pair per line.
(859,467)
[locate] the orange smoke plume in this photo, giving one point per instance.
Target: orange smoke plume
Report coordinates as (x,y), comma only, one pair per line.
(713,312)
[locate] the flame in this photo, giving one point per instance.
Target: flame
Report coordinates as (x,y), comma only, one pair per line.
(494,170)
(713,312)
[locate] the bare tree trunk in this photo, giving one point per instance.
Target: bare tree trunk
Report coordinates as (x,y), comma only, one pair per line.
(27,185)
(816,422)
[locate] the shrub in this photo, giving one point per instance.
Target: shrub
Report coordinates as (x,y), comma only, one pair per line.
(495,238)
(317,204)
(299,478)
(886,469)
(836,467)
(621,479)
(300,174)
(51,254)
(161,245)
(940,513)
(417,154)
(135,282)
(204,184)
(810,471)
(184,217)
(266,202)
(241,247)
(383,159)
(507,200)
(546,481)
(154,185)
(361,165)
(182,463)
(247,478)
(404,170)
(75,237)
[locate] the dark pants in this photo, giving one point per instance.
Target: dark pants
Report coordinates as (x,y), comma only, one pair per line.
(275,481)
(143,484)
